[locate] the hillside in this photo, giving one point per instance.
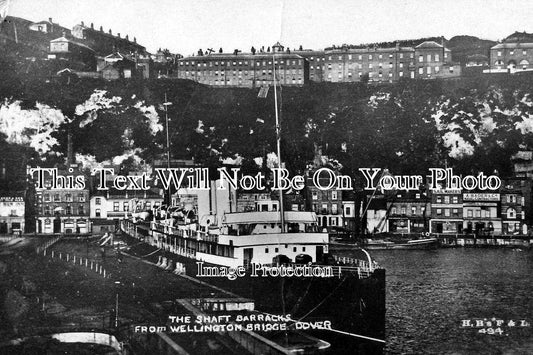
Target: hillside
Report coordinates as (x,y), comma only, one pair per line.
(471,124)
(464,46)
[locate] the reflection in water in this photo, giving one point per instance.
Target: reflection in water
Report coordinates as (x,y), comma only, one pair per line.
(429,293)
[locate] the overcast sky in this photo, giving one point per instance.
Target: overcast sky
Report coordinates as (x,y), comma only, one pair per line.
(185,26)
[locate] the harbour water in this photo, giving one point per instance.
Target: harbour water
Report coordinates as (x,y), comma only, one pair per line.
(437,299)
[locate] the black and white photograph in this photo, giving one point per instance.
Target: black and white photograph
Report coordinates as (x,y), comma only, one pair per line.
(266,177)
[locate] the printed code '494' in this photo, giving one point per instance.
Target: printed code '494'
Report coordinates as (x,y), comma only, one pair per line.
(491,331)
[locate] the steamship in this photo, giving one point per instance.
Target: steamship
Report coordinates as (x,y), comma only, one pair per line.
(277,258)
(286,270)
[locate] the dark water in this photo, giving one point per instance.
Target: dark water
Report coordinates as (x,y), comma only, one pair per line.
(430,293)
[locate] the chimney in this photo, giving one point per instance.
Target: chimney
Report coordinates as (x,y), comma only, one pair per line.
(92,26)
(135,39)
(50,19)
(118,34)
(127,38)
(81,23)
(110,32)
(101,29)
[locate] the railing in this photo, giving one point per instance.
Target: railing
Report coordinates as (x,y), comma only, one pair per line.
(344,266)
(185,233)
(363,264)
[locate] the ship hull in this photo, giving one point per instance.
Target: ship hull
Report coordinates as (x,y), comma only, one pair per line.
(354,306)
(430,243)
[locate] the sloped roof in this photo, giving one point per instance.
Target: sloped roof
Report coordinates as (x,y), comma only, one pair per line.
(513,45)
(519,37)
(115,55)
(429,44)
(65,39)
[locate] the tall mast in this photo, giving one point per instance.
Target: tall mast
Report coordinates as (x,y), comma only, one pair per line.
(166,103)
(278,137)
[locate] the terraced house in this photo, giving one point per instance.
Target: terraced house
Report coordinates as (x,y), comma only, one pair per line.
(62,209)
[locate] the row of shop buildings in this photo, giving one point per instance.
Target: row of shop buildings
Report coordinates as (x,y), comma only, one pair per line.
(451,211)
(70,210)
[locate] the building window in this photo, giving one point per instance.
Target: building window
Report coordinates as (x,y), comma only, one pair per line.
(421,70)
(348,211)
(420,58)
(446,199)
(439,211)
(370,57)
(46,197)
(81,210)
(125,206)
(437,57)
(393,210)
(439,199)
(116,207)
(511,213)
(81,197)
(47,210)
(469,213)
(499,53)
(455,212)
(455,199)
(57,198)
(334,208)
(98,201)
(447,212)
(413,209)
(97,212)
(478,213)
(403,210)
(315,195)
(333,195)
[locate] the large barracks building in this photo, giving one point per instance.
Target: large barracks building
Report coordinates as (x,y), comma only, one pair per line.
(428,60)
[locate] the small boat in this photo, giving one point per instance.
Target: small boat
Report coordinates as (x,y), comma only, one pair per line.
(426,243)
